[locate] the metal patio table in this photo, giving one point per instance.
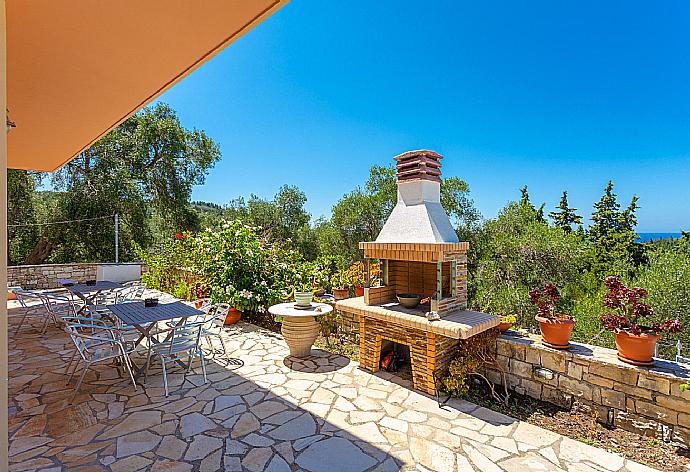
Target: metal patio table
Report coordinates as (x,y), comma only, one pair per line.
(88,292)
(145,319)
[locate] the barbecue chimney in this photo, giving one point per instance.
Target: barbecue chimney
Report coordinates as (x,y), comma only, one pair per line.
(418,216)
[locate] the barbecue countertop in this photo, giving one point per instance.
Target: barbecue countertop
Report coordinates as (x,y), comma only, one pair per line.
(461,324)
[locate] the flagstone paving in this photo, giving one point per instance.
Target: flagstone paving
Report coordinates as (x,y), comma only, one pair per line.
(261,411)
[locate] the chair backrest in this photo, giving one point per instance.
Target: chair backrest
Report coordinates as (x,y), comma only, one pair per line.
(189,333)
(82,330)
(53,302)
(132,290)
(24,297)
(216,313)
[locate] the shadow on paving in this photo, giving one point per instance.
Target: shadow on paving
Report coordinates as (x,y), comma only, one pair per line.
(245,418)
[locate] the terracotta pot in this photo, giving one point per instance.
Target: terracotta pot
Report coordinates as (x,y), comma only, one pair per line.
(341,293)
(556,333)
(505,326)
(359,291)
(11,295)
(233,316)
(636,349)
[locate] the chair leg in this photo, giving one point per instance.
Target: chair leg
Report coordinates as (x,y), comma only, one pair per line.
(70,361)
(21,322)
(165,377)
(203,364)
(81,379)
(222,343)
(74,371)
(129,369)
(45,325)
(148,360)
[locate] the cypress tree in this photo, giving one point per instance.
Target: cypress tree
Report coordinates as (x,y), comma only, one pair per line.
(565,217)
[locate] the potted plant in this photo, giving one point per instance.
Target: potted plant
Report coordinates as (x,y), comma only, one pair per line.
(341,288)
(556,328)
(199,292)
(507,322)
(355,276)
(239,300)
(631,323)
(304,294)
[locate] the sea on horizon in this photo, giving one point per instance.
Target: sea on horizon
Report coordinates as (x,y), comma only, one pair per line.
(646,237)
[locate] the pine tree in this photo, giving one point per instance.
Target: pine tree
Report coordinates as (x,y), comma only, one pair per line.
(527,204)
(613,232)
(565,217)
(524,197)
(606,216)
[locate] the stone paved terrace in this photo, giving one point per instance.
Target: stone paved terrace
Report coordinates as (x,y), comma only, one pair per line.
(261,411)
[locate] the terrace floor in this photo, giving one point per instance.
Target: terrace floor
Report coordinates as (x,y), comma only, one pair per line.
(261,411)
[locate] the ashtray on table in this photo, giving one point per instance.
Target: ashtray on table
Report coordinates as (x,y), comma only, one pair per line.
(303,307)
(150,302)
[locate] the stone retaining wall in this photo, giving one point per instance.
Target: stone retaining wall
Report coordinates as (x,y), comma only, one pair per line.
(45,276)
(644,400)
(36,277)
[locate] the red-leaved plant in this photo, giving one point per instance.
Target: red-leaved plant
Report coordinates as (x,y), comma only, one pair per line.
(546,300)
(629,313)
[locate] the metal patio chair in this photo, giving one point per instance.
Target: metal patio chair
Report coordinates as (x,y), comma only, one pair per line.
(95,342)
(132,292)
(58,306)
(31,303)
(213,325)
(212,322)
(183,342)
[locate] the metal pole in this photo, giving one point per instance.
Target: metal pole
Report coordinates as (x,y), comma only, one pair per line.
(117,239)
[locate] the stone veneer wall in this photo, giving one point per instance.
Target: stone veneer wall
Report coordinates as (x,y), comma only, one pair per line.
(34,277)
(644,400)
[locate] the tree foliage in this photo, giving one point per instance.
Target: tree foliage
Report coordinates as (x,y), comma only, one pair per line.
(22,230)
(613,232)
(143,170)
(360,214)
(566,216)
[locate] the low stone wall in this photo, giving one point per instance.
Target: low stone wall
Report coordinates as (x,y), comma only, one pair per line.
(45,276)
(647,401)
(35,277)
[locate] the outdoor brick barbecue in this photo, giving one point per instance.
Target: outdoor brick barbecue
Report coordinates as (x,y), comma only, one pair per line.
(419,253)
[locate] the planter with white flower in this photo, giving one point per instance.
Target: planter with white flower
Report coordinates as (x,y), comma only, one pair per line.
(632,323)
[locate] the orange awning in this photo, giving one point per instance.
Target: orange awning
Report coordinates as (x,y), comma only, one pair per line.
(77,69)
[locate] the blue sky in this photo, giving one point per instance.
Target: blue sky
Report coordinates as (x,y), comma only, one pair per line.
(553,95)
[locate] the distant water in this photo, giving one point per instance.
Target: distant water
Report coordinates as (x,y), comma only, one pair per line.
(644,237)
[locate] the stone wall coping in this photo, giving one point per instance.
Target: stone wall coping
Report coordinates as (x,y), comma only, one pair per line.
(602,355)
(71,264)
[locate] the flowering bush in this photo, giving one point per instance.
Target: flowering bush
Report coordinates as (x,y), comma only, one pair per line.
(355,274)
(324,269)
(512,319)
(546,301)
(243,270)
(630,313)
